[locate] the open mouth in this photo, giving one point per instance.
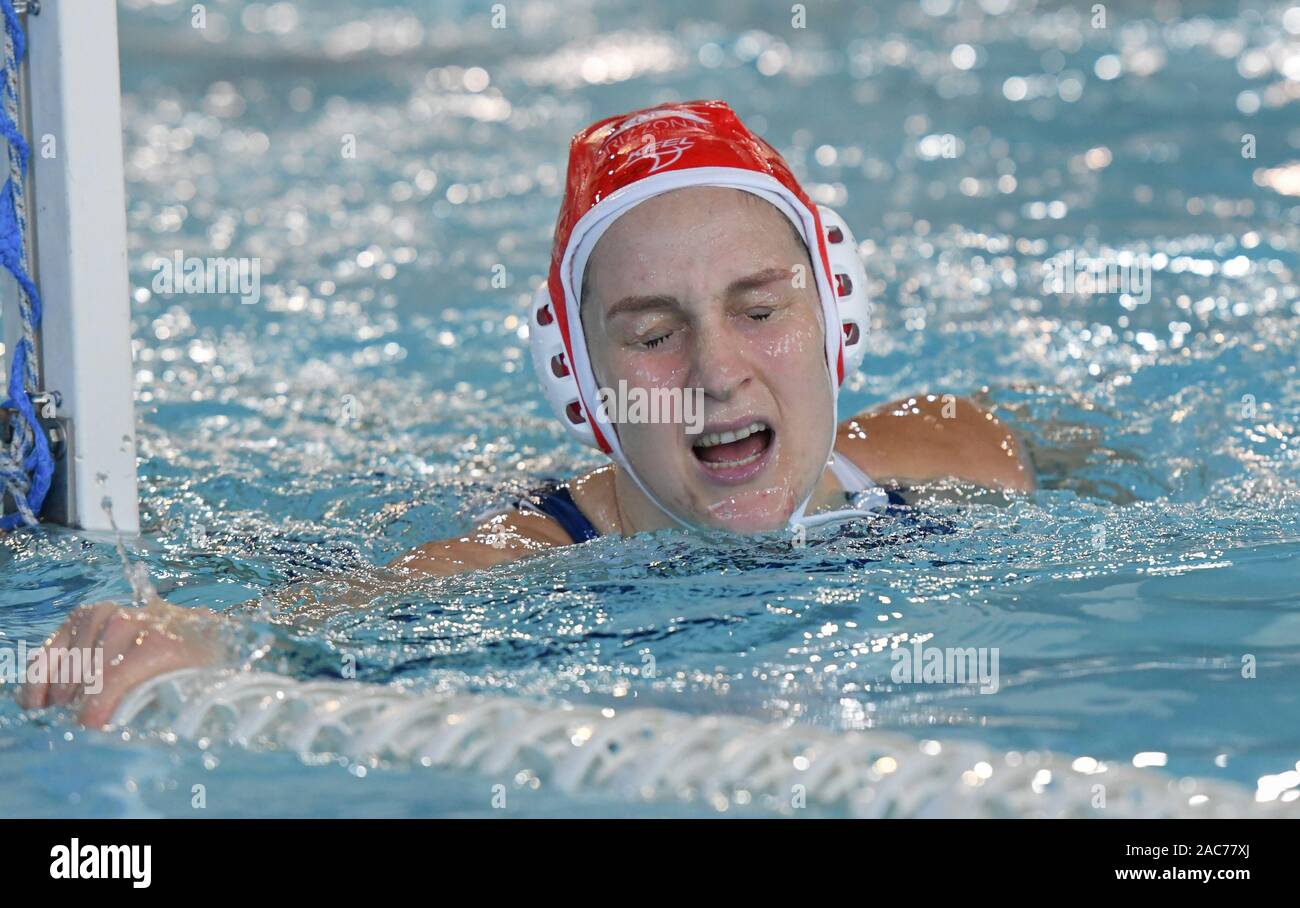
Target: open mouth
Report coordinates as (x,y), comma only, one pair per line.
(734,455)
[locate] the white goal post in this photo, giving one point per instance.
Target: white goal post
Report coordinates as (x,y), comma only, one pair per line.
(77,213)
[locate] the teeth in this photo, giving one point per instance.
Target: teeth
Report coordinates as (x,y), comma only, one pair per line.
(709,439)
(727,464)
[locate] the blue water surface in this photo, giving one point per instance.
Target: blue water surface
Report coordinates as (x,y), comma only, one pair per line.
(378,393)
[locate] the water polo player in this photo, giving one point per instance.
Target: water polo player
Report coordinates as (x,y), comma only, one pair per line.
(688,266)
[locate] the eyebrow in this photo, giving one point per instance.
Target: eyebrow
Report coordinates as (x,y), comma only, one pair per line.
(630,304)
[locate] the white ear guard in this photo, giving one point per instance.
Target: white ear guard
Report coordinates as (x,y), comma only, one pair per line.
(849,280)
(554,372)
(853,312)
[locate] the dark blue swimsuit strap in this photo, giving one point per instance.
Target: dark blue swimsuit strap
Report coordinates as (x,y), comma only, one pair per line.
(556,502)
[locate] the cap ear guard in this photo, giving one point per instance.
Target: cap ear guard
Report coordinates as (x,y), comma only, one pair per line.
(849,281)
(554,371)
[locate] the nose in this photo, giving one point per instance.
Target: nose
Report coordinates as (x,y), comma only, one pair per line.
(719,361)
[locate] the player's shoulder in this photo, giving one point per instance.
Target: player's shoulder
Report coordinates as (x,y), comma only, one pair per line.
(936,436)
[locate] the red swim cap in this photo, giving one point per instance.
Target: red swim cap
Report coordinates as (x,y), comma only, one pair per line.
(620,161)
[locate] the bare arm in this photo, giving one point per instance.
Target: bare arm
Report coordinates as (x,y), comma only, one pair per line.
(506,537)
(931,437)
(136,644)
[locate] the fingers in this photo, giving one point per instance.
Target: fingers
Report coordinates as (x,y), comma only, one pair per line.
(147,648)
(81,625)
(86,635)
(97,709)
(125,646)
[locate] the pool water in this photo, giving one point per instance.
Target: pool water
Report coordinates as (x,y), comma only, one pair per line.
(1144,604)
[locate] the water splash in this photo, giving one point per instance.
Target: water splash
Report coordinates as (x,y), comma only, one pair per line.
(137,576)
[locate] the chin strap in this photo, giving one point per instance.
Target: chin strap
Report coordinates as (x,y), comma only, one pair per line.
(627,467)
(817,520)
(865,501)
(797,519)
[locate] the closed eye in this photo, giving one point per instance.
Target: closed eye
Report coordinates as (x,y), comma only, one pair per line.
(655,341)
(760,315)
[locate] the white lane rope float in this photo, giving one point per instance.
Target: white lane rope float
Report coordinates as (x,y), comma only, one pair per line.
(658,755)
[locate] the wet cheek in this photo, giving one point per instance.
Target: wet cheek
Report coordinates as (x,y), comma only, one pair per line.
(652,372)
(793,347)
(656,453)
(647,443)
